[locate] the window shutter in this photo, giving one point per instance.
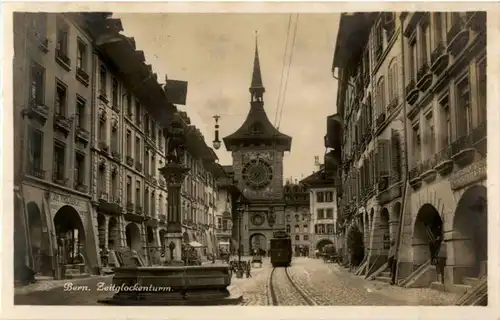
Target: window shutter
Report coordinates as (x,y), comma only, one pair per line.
(380,159)
(385,157)
(395,157)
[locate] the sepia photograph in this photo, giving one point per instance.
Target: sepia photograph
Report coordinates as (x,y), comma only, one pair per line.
(249,159)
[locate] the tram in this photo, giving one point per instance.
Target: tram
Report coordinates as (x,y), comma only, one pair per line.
(281,249)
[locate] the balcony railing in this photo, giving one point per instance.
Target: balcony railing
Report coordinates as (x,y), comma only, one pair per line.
(63,60)
(462,143)
(458,25)
(428,164)
(116,155)
(35,172)
(62,123)
(82,134)
(80,186)
(415,171)
(59,179)
(103,146)
(129,160)
(39,110)
(138,166)
(103,96)
(82,76)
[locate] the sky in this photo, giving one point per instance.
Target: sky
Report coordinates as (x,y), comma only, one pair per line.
(214,53)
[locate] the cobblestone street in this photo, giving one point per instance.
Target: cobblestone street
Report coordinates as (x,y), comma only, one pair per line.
(330,284)
(326,284)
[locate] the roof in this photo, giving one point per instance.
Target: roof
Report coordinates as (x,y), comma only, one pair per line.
(121,51)
(352,36)
(257,129)
(318,180)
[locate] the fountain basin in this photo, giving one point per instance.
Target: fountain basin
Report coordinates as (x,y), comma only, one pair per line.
(173,285)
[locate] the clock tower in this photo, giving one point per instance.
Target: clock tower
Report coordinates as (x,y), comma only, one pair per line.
(258,148)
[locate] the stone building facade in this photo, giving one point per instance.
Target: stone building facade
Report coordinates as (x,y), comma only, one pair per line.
(298,217)
(90,149)
(429,187)
(370,102)
(323,211)
(445,68)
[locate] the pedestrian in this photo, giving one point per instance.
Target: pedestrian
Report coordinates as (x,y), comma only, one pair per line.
(248,269)
(441,261)
(391,262)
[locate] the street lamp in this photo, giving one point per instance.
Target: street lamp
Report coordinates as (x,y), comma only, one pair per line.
(216,143)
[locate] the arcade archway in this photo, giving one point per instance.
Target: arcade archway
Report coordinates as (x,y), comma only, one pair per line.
(470,226)
(355,245)
(258,241)
(112,233)
(133,236)
(321,243)
(39,240)
(70,236)
(427,234)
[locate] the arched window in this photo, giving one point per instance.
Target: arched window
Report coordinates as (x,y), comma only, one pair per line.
(393,80)
(297,237)
(287,228)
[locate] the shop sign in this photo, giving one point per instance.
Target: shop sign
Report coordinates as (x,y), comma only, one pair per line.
(468,175)
(58,200)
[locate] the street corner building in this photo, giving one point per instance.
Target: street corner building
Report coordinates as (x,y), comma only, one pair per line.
(412,102)
(323,210)
(91,124)
(298,217)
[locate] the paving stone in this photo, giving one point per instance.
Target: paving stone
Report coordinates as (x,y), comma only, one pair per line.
(330,284)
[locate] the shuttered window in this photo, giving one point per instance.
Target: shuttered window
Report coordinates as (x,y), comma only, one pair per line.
(384,155)
(395,157)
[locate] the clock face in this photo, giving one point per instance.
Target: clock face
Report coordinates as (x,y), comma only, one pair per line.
(257,173)
(258,219)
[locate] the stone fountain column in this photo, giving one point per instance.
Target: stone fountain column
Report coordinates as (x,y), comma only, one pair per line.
(174,173)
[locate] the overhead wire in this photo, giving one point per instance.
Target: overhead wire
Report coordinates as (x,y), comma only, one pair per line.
(283,70)
(288,72)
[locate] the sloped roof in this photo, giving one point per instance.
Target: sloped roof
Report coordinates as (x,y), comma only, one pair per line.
(257,128)
(318,180)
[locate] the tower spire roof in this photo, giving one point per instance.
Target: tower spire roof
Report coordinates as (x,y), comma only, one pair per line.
(256,75)
(257,130)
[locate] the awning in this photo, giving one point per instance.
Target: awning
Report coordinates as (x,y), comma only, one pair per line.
(196,244)
(224,243)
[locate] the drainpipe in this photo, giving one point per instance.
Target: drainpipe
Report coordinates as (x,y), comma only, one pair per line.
(407,169)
